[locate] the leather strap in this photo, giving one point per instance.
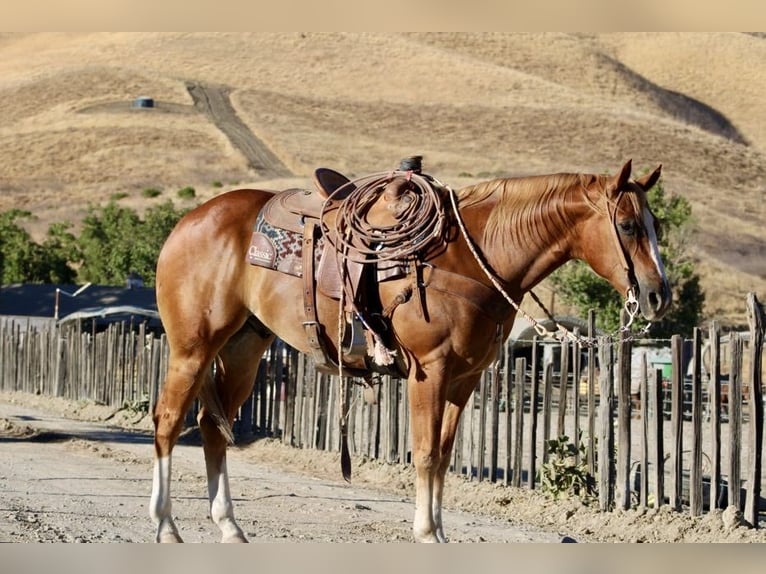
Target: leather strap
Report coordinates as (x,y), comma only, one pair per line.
(311,324)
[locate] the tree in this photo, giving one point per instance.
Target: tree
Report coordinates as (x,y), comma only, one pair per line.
(580,287)
(24,261)
(115,242)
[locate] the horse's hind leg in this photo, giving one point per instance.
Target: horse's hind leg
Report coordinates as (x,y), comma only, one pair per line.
(235,375)
(182,383)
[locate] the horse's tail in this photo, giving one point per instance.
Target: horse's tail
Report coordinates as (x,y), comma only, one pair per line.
(212,401)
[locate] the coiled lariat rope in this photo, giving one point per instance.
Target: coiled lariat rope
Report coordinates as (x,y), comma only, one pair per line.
(417,224)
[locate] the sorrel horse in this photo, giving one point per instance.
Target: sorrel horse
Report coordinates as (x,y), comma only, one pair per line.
(506,233)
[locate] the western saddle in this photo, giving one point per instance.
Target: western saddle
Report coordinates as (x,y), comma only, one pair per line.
(352,260)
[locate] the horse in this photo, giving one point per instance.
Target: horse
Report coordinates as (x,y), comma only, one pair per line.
(502,238)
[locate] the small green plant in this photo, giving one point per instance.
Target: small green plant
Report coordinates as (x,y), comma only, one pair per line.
(138,406)
(217,184)
(151,192)
(562,476)
(118,196)
(187,192)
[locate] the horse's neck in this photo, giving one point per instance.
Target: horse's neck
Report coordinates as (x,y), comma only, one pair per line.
(518,259)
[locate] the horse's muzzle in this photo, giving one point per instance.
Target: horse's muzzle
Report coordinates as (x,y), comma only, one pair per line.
(654,301)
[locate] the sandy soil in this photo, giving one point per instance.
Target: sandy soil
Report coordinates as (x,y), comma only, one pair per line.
(80,472)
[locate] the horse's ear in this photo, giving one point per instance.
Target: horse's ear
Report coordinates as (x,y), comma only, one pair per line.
(619,180)
(647,182)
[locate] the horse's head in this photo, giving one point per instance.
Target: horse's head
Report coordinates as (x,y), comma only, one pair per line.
(620,242)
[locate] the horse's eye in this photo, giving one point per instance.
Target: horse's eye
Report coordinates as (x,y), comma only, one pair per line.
(627,227)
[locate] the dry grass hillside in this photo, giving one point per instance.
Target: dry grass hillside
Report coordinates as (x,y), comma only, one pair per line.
(475,105)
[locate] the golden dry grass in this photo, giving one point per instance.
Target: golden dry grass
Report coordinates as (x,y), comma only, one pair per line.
(475,105)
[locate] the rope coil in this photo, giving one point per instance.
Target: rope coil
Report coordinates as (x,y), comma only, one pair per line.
(417,224)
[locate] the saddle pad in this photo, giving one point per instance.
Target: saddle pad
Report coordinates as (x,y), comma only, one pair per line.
(279,249)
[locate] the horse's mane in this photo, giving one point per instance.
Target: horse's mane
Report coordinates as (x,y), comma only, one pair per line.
(535,207)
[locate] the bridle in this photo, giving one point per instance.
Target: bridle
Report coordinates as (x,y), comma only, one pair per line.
(631,301)
(630,305)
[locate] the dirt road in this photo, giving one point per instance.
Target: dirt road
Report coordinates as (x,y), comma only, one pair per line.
(213,101)
(64,480)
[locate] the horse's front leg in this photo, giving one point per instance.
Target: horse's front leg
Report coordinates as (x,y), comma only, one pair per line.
(426,396)
(453,409)
(449,428)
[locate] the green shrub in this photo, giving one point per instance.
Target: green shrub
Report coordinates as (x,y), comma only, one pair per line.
(151,192)
(118,196)
(562,476)
(217,184)
(187,192)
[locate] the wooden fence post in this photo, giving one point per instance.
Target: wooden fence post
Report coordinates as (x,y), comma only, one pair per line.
(644,443)
(695,472)
(494,420)
(534,403)
(735,418)
(606,421)
(657,439)
(482,445)
(757,322)
(676,421)
(591,452)
(518,407)
(563,384)
(547,393)
(622,491)
(714,395)
(576,349)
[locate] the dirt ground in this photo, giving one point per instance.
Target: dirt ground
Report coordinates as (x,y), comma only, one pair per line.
(81,472)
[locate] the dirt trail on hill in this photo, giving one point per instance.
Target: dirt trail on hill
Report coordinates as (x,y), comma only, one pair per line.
(214,102)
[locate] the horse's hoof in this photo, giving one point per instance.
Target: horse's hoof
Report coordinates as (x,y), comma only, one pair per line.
(235,539)
(168,537)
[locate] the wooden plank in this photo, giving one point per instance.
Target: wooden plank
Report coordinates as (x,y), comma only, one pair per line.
(644,442)
(534,403)
(757,324)
(735,418)
(576,360)
(518,408)
(494,415)
(622,490)
(657,439)
(300,399)
(714,394)
(547,408)
(472,436)
(591,449)
(391,388)
(375,426)
(676,422)
(606,422)
(508,379)
(482,439)
(695,472)
(563,386)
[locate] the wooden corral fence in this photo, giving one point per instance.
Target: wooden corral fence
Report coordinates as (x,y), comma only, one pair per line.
(690,437)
